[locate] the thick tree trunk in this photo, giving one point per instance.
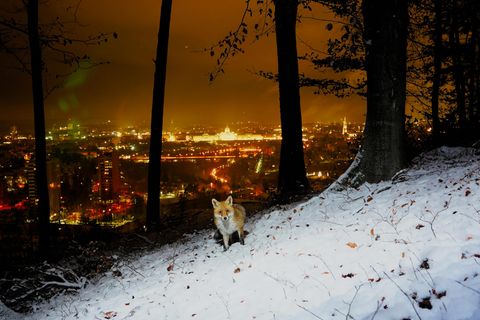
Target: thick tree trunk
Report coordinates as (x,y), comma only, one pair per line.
(153,201)
(437,70)
(292,178)
(43,208)
(383,146)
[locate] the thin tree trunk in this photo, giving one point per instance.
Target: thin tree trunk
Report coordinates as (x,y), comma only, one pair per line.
(437,70)
(458,76)
(474,73)
(39,121)
(153,201)
(471,78)
(383,147)
(292,179)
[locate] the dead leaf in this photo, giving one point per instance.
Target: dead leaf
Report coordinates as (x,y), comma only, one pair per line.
(170,268)
(369,198)
(237,270)
(372,232)
(467,192)
(469,237)
(109,314)
(403,254)
(348,275)
(419,226)
(352,245)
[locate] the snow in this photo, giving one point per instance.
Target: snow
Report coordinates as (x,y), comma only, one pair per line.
(382,251)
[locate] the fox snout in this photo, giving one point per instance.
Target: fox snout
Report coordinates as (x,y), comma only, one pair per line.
(225,218)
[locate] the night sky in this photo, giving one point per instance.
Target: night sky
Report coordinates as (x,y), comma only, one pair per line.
(121,91)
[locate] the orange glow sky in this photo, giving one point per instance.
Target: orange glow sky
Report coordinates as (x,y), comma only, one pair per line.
(121,91)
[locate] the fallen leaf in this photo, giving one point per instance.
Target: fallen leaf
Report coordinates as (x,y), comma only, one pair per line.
(109,314)
(237,270)
(467,192)
(469,238)
(170,268)
(424,264)
(419,226)
(369,198)
(372,232)
(352,245)
(348,275)
(425,303)
(403,254)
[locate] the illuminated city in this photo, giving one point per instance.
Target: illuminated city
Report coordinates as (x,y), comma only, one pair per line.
(97,174)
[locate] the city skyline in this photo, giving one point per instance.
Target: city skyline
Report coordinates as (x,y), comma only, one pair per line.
(121,90)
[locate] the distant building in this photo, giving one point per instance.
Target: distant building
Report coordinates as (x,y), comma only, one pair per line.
(344,126)
(109,176)
(31,179)
(54,184)
(53,178)
(228,135)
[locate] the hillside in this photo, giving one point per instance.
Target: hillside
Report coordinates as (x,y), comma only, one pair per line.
(403,249)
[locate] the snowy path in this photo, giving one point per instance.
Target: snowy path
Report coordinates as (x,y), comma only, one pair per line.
(406,249)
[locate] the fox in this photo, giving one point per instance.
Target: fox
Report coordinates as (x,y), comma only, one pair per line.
(229,218)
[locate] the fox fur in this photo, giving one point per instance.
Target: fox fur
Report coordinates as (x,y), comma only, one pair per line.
(229,218)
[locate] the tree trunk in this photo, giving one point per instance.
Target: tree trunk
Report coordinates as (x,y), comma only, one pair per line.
(43,208)
(383,146)
(153,201)
(437,70)
(292,179)
(458,74)
(474,71)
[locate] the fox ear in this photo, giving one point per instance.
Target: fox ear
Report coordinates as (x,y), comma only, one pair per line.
(215,203)
(229,200)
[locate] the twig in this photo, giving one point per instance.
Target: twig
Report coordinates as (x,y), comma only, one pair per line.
(379,305)
(357,289)
(144,238)
(474,290)
(405,294)
(326,265)
(313,314)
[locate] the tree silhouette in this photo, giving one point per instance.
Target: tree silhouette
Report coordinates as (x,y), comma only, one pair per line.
(26,42)
(153,201)
(292,179)
(39,122)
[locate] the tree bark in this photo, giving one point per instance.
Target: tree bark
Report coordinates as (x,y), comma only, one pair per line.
(292,179)
(437,70)
(153,201)
(43,208)
(385,35)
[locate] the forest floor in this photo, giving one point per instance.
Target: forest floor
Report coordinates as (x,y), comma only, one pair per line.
(408,248)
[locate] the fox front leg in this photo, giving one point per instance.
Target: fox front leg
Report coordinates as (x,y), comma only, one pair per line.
(241,236)
(226,239)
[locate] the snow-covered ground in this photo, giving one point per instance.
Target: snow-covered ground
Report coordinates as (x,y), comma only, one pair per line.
(407,249)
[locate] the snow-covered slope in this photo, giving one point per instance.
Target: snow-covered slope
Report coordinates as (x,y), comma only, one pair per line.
(406,249)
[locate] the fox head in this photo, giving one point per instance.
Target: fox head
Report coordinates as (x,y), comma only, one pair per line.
(223,209)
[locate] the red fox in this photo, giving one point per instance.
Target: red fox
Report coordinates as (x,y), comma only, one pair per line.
(228,218)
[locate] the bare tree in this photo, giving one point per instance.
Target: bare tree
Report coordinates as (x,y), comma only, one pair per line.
(292,179)
(153,201)
(26,43)
(39,121)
